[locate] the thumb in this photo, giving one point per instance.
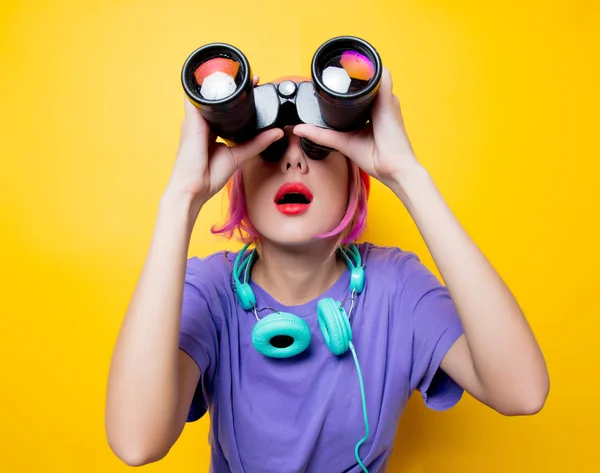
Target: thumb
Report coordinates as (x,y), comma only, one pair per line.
(322,136)
(256,145)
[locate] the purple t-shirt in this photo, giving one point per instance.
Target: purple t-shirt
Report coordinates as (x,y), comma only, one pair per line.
(304,414)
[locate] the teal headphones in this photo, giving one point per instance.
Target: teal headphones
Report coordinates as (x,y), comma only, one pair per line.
(283,335)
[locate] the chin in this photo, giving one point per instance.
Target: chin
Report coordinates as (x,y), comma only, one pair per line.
(293,230)
(298,233)
(290,241)
(290,235)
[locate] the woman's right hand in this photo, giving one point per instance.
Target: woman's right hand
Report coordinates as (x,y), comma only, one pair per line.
(203,166)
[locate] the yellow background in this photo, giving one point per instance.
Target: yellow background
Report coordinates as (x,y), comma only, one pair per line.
(501,105)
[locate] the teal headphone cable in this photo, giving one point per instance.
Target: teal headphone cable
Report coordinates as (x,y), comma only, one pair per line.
(332,317)
(364,406)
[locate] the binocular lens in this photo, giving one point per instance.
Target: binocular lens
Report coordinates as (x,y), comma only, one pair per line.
(217,78)
(218,81)
(347,72)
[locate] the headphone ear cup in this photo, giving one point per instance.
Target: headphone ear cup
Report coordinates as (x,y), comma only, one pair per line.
(281,335)
(245,296)
(335,326)
(357,279)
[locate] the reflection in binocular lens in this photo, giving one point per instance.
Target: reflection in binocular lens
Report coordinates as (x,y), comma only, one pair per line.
(216,78)
(348,72)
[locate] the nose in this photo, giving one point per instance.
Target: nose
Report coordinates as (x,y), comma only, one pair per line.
(293,159)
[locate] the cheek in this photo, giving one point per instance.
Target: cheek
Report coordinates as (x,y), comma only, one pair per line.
(335,182)
(256,188)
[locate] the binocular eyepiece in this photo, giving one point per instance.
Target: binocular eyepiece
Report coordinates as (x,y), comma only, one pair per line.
(346,74)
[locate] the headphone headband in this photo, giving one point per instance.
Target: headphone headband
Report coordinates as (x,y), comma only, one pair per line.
(242,265)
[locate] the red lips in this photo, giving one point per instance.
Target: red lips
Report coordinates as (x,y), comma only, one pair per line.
(293,198)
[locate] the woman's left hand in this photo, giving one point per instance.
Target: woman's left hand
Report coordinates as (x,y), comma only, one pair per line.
(382,148)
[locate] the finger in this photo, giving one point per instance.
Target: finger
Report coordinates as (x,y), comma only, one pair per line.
(256,145)
(190,109)
(386,80)
(193,117)
(255,80)
(385,93)
(321,136)
(386,107)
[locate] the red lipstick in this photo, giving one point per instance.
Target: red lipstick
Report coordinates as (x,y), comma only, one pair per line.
(293,198)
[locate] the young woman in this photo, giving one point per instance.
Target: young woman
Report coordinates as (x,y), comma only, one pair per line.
(305,347)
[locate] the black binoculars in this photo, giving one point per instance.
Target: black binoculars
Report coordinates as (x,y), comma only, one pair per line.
(346,74)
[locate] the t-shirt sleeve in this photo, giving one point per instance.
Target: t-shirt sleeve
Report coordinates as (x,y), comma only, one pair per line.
(436,327)
(198,336)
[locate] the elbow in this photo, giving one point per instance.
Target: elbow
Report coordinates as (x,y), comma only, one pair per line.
(133,458)
(141,458)
(135,442)
(137,456)
(527,403)
(526,407)
(133,450)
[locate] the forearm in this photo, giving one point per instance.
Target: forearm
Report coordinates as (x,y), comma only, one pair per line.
(503,350)
(143,382)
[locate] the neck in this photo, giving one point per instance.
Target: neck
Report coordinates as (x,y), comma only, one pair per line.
(296,275)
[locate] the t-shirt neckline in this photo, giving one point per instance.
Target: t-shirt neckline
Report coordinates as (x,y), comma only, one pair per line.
(338,291)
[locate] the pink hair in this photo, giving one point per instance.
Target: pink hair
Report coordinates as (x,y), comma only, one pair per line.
(348,230)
